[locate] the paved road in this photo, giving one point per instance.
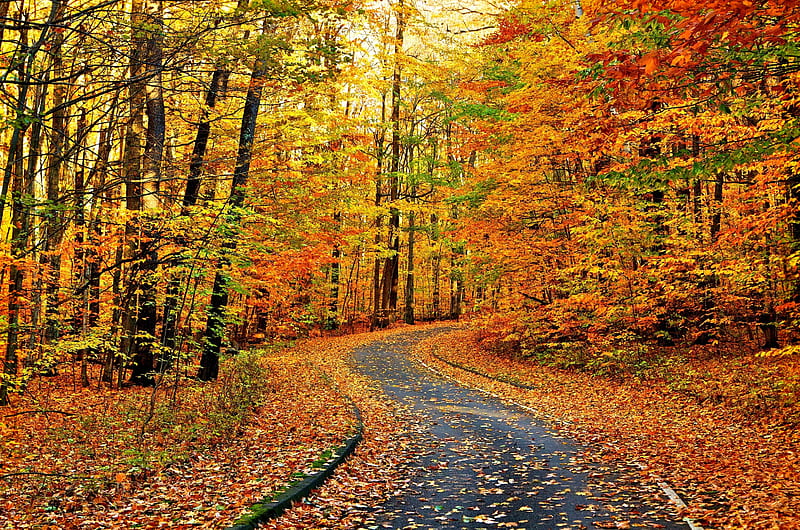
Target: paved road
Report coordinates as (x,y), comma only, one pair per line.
(484,464)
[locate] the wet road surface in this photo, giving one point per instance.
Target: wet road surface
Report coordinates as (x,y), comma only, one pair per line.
(485,464)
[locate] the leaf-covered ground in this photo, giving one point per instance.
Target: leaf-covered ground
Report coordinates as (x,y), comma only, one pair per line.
(189,456)
(199,456)
(722,431)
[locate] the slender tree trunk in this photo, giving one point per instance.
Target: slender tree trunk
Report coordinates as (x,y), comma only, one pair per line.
(35,339)
(716,217)
(793,184)
(390,277)
(14,179)
(336,254)
(81,257)
(54,226)
(132,169)
(409,301)
(436,267)
(219,80)
(376,265)
(456,286)
(697,185)
(215,325)
(97,178)
(146,316)
(19,241)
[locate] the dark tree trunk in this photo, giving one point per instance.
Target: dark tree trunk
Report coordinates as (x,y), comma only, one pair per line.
(409,301)
(336,254)
(152,157)
(716,217)
(19,241)
(219,80)
(97,177)
(35,339)
(54,227)
(215,325)
(376,266)
(132,167)
(390,278)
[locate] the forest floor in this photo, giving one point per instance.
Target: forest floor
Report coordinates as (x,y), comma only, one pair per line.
(191,455)
(197,455)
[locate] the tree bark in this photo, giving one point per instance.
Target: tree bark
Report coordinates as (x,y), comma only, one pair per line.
(153,155)
(216,322)
(219,80)
(716,217)
(54,225)
(336,254)
(390,276)
(409,301)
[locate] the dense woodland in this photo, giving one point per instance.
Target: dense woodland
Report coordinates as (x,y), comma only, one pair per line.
(586,178)
(608,192)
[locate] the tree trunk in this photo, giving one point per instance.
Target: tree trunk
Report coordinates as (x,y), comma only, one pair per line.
(35,339)
(54,224)
(716,217)
(143,356)
(219,79)
(97,177)
(409,301)
(390,277)
(215,325)
(336,254)
(132,168)
(376,265)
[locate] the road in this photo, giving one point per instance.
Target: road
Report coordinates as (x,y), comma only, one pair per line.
(486,464)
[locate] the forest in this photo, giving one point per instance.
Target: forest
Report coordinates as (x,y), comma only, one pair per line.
(600,188)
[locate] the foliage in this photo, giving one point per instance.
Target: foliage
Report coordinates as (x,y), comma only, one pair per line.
(644,190)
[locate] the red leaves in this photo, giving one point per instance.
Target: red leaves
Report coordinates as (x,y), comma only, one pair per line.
(511,28)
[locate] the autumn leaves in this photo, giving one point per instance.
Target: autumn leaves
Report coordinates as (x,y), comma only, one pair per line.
(645,189)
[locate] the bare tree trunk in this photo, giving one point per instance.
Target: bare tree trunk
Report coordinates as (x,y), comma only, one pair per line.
(97,177)
(19,241)
(376,265)
(82,266)
(132,169)
(336,254)
(34,153)
(219,80)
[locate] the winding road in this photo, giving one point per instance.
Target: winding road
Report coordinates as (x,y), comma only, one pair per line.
(486,464)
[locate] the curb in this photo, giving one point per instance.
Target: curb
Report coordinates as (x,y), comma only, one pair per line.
(671,494)
(273,506)
(471,370)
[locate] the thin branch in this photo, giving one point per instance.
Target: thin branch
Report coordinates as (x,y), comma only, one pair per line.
(40,412)
(37,473)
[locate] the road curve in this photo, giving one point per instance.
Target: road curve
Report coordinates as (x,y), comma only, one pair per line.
(485,464)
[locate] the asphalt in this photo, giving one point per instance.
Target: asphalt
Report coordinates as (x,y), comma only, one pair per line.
(481,463)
